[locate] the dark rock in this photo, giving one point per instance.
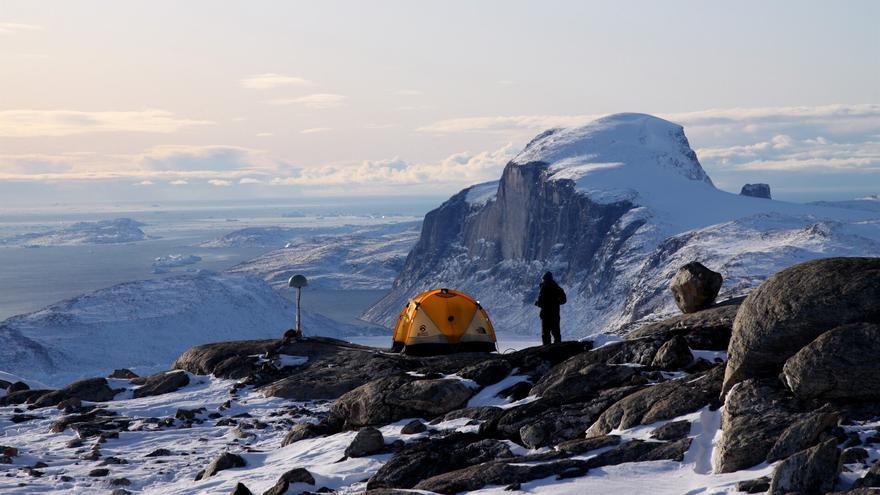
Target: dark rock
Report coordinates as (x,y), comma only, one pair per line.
(368,441)
(480,413)
(674,354)
(188,414)
(708,329)
(871,479)
(834,366)
(756,190)
(302,431)
(663,401)
(500,473)
(123,373)
(70,405)
(112,461)
(98,473)
(120,482)
(221,463)
(298,475)
(802,434)
(8,451)
(159,453)
(429,457)
(584,445)
(571,380)
(22,396)
(695,287)
(396,397)
(795,306)
(535,361)
(413,427)
(120,491)
(854,455)
(161,383)
(811,471)
(517,391)
(91,389)
(672,431)
(241,489)
(17,387)
(21,418)
(758,485)
(756,413)
(488,372)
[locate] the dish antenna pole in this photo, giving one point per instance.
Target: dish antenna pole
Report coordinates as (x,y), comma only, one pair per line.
(298,282)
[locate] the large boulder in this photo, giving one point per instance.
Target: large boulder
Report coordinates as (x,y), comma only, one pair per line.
(160,383)
(695,287)
(368,441)
(400,396)
(674,354)
(426,458)
(834,366)
(221,463)
(663,401)
(91,389)
(796,305)
(572,381)
(756,413)
(809,472)
(708,329)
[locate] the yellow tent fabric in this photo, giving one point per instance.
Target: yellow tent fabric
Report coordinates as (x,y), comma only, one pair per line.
(443,320)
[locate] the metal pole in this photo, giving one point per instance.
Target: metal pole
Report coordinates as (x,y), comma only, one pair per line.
(298,315)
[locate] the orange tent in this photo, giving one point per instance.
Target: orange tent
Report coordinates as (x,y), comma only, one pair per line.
(441,321)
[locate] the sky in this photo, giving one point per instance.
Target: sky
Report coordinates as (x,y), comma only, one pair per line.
(213,100)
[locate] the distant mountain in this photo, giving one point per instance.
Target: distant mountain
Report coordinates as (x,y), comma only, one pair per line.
(368,258)
(147,324)
(613,208)
(867,203)
(120,230)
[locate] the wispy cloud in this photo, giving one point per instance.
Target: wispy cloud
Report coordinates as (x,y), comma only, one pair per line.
(220,182)
(315,130)
(249,180)
(179,182)
(17,27)
(265,134)
(32,123)
(144,183)
(458,170)
(317,100)
(271,80)
(409,92)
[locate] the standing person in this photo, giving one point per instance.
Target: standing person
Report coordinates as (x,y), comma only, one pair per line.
(550,297)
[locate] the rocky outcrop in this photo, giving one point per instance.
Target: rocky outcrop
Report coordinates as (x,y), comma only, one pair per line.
(695,287)
(834,366)
(707,329)
(666,400)
(673,354)
(810,472)
(221,463)
(756,190)
(92,389)
(160,383)
(795,306)
(298,475)
(368,441)
(396,397)
(571,381)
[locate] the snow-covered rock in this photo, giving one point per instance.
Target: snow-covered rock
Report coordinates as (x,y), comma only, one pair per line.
(368,258)
(120,230)
(145,325)
(613,208)
(165,263)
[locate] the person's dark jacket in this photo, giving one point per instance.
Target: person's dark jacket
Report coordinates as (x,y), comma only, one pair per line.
(550,297)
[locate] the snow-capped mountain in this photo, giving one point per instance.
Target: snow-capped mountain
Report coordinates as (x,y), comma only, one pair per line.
(613,208)
(368,258)
(145,325)
(115,231)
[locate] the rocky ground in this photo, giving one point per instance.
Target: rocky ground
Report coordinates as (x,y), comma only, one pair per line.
(777,392)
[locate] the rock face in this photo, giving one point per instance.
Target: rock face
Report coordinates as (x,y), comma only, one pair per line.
(756,190)
(695,287)
(795,306)
(810,471)
(396,397)
(834,366)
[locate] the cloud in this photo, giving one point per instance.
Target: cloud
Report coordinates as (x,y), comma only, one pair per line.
(17,27)
(144,183)
(265,134)
(316,101)
(181,158)
(178,182)
(220,182)
(250,180)
(784,153)
(458,170)
(32,123)
(315,130)
(270,81)
(409,92)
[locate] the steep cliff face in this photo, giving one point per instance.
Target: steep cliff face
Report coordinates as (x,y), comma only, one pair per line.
(613,208)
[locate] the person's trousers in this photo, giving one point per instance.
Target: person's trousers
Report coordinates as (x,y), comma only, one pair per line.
(550,328)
